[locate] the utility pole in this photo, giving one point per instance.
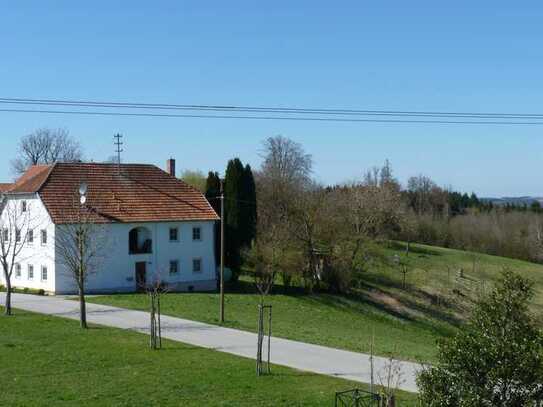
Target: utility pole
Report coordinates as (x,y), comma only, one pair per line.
(222,255)
(371,358)
(80,233)
(118,150)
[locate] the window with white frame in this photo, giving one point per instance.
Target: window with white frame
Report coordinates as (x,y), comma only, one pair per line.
(43,273)
(17,235)
(30,236)
(23,206)
(174,266)
(197,265)
(5,234)
(30,272)
(43,237)
(17,270)
(174,234)
(196,233)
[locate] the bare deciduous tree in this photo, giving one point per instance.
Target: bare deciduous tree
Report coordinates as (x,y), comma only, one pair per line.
(15,223)
(390,377)
(426,197)
(262,257)
(284,175)
(364,211)
(81,248)
(155,288)
(285,162)
(305,219)
(46,146)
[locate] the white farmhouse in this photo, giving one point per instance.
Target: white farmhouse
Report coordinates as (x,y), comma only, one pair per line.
(155,224)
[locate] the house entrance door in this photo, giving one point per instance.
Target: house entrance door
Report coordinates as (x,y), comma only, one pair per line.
(140,276)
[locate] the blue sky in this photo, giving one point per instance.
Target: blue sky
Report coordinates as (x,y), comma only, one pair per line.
(419,55)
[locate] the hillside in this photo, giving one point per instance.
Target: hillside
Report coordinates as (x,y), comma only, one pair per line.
(406,322)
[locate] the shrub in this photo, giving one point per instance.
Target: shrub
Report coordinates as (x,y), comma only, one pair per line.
(496,360)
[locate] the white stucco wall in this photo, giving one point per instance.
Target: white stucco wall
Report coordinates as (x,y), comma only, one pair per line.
(116,271)
(36,254)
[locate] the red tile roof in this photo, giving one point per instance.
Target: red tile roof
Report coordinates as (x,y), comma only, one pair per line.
(31,180)
(136,193)
(4,187)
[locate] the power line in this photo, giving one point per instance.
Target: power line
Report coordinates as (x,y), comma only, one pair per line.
(257,109)
(263,113)
(319,119)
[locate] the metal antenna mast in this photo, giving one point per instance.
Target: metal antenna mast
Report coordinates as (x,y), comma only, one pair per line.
(118,143)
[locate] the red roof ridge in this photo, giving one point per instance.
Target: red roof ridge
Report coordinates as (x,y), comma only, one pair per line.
(32,180)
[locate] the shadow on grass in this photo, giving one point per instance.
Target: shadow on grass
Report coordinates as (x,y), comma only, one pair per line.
(421,310)
(423,314)
(427,305)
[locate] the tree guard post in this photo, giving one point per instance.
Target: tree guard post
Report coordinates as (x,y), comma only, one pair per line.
(154,291)
(262,311)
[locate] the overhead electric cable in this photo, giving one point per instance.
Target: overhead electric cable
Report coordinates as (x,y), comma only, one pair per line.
(321,119)
(271,113)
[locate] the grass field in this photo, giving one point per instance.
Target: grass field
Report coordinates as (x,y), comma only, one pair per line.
(406,322)
(49,361)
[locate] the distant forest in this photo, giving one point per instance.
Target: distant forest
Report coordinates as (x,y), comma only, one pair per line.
(457,220)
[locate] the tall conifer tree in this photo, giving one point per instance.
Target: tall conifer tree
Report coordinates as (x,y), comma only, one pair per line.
(233,191)
(213,190)
(249,206)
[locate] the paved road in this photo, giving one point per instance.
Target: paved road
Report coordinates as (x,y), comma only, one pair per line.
(298,355)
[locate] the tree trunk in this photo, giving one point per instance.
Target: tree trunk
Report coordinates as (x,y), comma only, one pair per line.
(391,401)
(82,307)
(7,310)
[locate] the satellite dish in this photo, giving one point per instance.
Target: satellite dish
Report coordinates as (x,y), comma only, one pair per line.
(83,188)
(83,199)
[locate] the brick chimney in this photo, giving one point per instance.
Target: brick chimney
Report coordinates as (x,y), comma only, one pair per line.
(170,167)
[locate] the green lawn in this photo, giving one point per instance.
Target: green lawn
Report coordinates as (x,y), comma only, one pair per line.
(49,361)
(406,322)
